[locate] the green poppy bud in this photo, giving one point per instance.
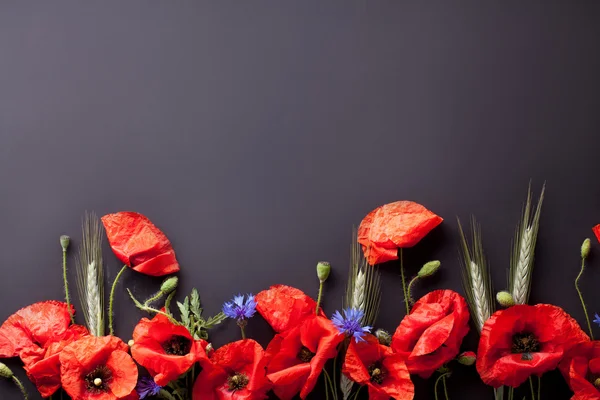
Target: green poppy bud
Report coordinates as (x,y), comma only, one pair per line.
(429,269)
(585,248)
(64,242)
(384,337)
(467,358)
(169,285)
(5,372)
(505,299)
(323,270)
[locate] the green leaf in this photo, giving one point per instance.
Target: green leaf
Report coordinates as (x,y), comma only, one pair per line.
(184,309)
(195,304)
(215,320)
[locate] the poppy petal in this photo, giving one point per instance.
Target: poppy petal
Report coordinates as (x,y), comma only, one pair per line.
(284,307)
(124,372)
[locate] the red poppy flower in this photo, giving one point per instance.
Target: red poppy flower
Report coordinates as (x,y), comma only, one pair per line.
(284,307)
(432,333)
(98,368)
(581,369)
(237,371)
(596,230)
(166,350)
(377,366)
(297,356)
(524,340)
(45,373)
(30,328)
(392,226)
(137,242)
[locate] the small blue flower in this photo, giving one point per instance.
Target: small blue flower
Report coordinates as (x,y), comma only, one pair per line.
(147,387)
(350,323)
(240,310)
(597,320)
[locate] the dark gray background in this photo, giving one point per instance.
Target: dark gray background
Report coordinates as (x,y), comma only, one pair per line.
(256,134)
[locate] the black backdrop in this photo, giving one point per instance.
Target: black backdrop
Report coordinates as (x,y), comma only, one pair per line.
(256,134)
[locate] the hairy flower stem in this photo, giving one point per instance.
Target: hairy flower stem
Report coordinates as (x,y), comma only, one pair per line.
(66,283)
(587,318)
(437,381)
(409,290)
(404,288)
(152,299)
(319,297)
(152,310)
(20,386)
(111,300)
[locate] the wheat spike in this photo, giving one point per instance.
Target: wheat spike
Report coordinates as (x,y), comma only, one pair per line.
(522,274)
(358,297)
(93,298)
(480,297)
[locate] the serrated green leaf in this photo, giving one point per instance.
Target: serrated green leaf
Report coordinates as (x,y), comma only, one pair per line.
(195,304)
(185,311)
(215,320)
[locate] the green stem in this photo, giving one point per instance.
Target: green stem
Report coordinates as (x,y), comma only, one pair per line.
(511,393)
(152,299)
(163,394)
(587,318)
(111,300)
(404,289)
(319,298)
(539,387)
(243,332)
(445,388)
(409,290)
(153,310)
(531,386)
(66,283)
(21,387)
(330,385)
(357,392)
(437,381)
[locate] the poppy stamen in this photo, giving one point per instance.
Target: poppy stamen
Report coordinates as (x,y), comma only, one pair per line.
(377,372)
(525,343)
(97,381)
(237,381)
(305,355)
(177,346)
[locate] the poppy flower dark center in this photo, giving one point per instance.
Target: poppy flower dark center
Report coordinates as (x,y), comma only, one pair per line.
(237,381)
(525,343)
(177,346)
(98,380)
(305,355)
(377,373)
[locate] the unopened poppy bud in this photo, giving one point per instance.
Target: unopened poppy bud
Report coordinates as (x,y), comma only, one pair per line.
(5,372)
(130,343)
(323,270)
(505,299)
(467,358)
(384,337)
(64,242)
(429,269)
(169,285)
(585,249)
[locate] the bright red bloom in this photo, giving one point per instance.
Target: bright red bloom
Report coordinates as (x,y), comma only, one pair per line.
(392,226)
(596,230)
(105,358)
(524,340)
(237,371)
(377,366)
(137,242)
(581,368)
(432,333)
(166,350)
(297,356)
(284,307)
(37,334)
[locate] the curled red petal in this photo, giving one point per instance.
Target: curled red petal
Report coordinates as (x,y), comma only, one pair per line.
(432,333)
(395,225)
(150,337)
(30,328)
(555,330)
(284,307)
(596,230)
(580,365)
(137,242)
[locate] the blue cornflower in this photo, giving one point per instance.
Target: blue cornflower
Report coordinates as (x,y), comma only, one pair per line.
(147,387)
(240,310)
(350,323)
(597,320)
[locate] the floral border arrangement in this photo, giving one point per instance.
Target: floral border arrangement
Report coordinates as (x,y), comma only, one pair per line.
(171,358)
